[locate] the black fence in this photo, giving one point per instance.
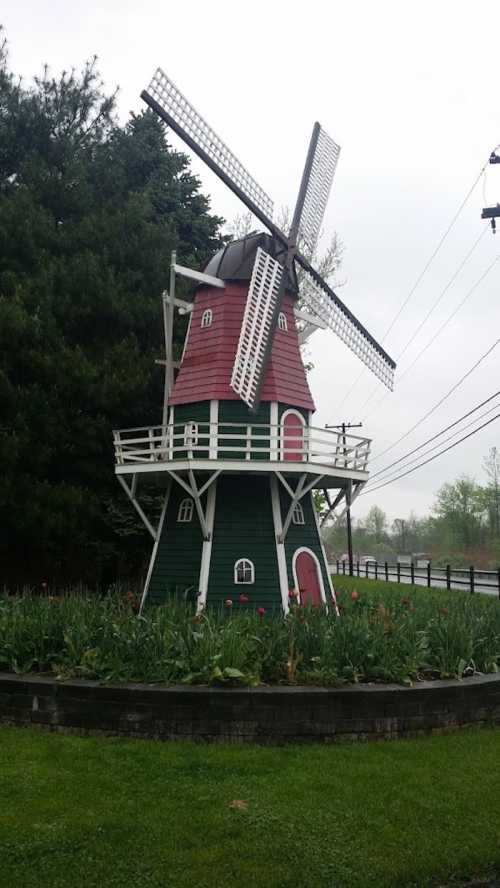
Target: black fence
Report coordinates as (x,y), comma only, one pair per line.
(448,577)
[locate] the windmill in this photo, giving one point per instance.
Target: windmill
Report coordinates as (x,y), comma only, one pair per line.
(236,446)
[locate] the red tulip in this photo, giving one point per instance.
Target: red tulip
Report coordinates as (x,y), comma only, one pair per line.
(243,599)
(354,595)
(261,611)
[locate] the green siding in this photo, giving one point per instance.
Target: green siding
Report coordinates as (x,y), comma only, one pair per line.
(200,413)
(302,535)
(178,558)
(238,412)
(244,528)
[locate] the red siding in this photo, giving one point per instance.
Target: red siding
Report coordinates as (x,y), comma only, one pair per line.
(206,370)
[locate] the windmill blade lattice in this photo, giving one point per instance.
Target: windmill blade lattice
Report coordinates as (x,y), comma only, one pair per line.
(175,109)
(319,173)
(322,302)
(256,328)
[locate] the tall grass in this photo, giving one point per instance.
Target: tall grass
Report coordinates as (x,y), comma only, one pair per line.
(382,635)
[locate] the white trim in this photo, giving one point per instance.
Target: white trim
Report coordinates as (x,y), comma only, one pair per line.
(191,434)
(214,424)
(206,551)
(200,276)
(185,510)
(330,583)
(240,466)
(318,569)
(155,546)
(206,318)
(274,429)
(291,412)
(188,331)
(280,547)
(252,571)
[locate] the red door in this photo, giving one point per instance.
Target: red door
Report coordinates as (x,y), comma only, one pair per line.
(308,579)
(293,437)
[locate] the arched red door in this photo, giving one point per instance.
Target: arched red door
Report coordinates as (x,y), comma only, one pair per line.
(306,570)
(293,437)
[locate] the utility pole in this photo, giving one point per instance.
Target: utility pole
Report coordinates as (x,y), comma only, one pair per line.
(492,213)
(348,492)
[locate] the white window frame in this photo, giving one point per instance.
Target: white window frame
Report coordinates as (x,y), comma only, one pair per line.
(298,514)
(185,511)
(206,318)
(282,322)
(191,434)
(246,565)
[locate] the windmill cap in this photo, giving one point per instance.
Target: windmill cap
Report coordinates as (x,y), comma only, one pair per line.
(235,261)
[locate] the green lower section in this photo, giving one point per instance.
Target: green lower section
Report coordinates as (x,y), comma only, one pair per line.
(178,557)
(302,535)
(244,529)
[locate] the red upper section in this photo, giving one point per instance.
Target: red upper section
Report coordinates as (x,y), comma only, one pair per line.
(205,372)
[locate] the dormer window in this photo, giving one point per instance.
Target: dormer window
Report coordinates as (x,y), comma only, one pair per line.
(282,321)
(185,513)
(206,318)
(298,515)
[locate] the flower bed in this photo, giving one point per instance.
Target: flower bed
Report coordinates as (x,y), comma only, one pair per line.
(381,636)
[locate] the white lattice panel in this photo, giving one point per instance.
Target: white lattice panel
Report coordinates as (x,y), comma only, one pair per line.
(319,302)
(172,100)
(323,168)
(256,327)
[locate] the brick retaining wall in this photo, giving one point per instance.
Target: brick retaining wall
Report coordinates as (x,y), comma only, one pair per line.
(262,715)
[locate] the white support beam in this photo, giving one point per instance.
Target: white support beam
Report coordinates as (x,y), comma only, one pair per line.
(280,548)
(206,552)
(184,306)
(295,499)
(285,484)
(136,506)
(310,319)
(207,279)
(155,547)
(199,508)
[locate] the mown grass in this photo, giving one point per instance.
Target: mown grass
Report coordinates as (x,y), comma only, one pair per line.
(385,633)
(109,813)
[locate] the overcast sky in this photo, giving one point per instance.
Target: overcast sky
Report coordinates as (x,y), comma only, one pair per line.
(412,94)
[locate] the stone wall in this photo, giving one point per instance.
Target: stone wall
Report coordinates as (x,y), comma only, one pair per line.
(262,715)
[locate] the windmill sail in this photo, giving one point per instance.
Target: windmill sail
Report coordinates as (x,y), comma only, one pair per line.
(317,179)
(169,103)
(257,327)
(321,301)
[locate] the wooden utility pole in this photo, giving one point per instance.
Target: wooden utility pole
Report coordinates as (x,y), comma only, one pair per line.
(492,213)
(348,492)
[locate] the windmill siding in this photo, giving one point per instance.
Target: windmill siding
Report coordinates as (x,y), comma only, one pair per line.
(178,559)
(205,372)
(244,528)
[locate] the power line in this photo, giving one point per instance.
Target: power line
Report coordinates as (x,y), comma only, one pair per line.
(433,307)
(441,401)
(437,435)
(438,331)
(449,438)
(422,274)
(431,458)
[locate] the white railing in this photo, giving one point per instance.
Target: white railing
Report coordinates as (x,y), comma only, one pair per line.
(241,441)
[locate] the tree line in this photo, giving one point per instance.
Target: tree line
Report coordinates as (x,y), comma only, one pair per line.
(462,528)
(90,211)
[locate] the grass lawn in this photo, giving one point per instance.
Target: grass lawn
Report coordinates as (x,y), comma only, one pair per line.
(110,812)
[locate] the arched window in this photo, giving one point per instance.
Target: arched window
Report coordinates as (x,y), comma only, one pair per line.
(191,434)
(185,513)
(282,321)
(206,318)
(298,515)
(244,571)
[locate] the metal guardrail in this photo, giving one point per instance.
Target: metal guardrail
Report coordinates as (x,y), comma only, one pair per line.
(448,577)
(241,441)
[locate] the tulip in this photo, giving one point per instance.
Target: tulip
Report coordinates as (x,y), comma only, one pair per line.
(243,599)
(261,611)
(228,602)
(354,595)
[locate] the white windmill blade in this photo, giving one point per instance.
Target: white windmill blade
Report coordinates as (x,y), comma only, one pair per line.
(170,104)
(256,327)
(323,302)
(315,188)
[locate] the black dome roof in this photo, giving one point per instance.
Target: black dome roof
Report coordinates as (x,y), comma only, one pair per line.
(234,262)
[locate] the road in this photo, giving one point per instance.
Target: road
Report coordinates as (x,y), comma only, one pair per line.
(484,581)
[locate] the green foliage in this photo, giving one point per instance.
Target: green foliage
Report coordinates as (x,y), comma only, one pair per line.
(381,635)
(89,212)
